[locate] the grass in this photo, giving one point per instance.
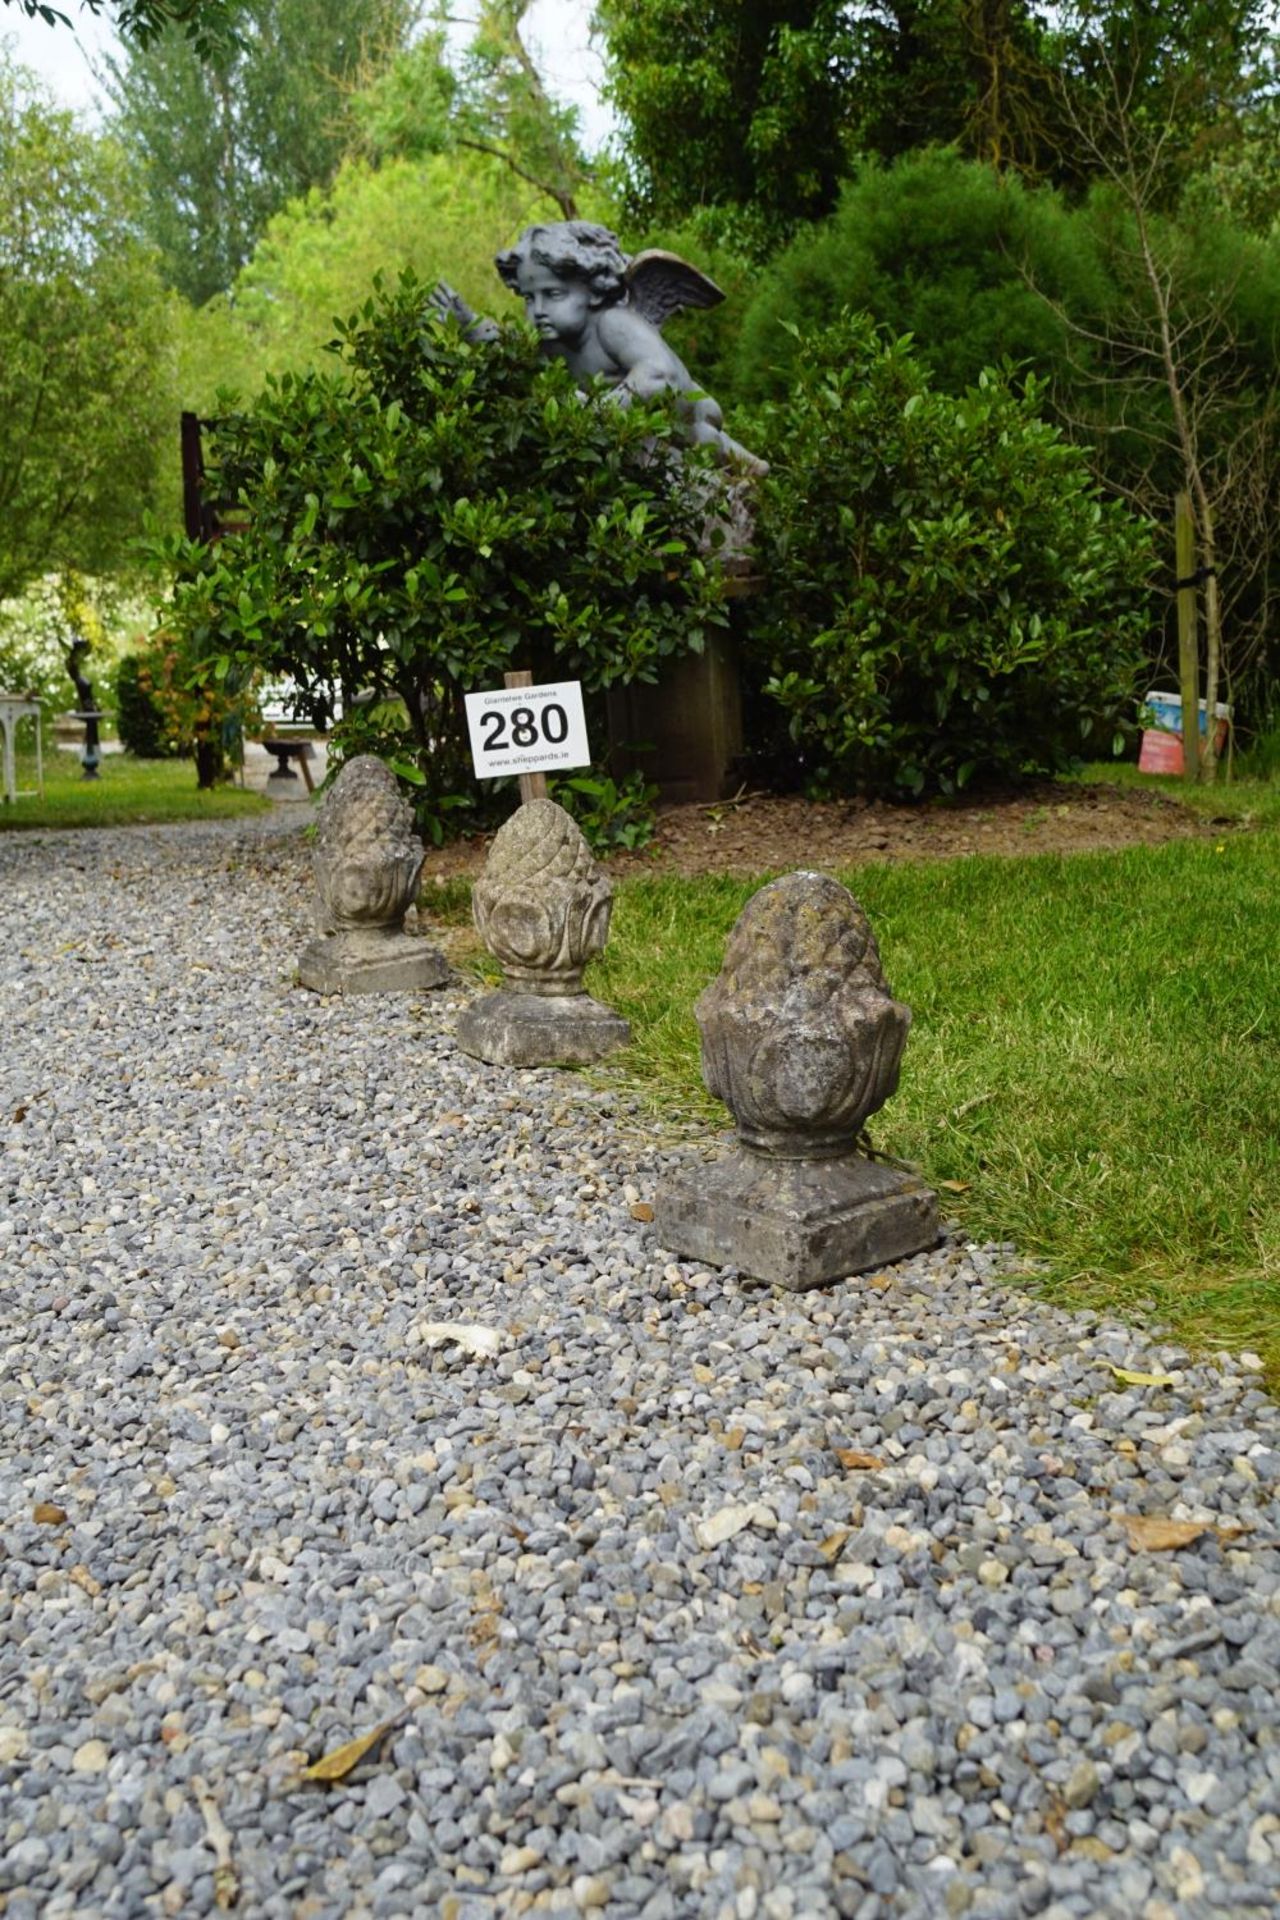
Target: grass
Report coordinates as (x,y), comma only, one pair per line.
(1246,801)
(1093,1072)
(129,792)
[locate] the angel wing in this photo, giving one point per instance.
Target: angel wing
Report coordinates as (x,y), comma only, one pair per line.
(660,283)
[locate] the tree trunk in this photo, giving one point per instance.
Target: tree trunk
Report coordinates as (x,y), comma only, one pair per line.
(1212,639)
(1184,533)
(207,764)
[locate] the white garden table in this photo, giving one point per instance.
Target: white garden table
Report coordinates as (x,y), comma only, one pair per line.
(15,707)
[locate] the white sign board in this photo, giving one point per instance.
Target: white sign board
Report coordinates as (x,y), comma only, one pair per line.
(528,729)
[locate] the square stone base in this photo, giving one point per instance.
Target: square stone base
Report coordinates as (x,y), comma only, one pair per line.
(360,963)
(795,1223)
(538,1030)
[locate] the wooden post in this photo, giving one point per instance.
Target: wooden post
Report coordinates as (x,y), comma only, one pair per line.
(193,503)
(1184,542)
(533,786)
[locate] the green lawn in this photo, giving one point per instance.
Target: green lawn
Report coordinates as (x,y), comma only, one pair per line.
(129,793)
(1093,1073)
(1246,801)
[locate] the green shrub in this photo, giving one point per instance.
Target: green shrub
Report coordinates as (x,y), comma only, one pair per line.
(614,815)
(948,594)
(438,513)
(938,247)
(140,719)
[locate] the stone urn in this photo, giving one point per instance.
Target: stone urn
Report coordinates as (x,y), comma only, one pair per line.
(542,908)
(803,1042)
(367,862)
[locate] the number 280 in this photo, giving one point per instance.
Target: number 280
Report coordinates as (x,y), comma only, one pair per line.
(550,723)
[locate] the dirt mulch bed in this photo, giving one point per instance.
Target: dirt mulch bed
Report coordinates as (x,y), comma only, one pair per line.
(762,833)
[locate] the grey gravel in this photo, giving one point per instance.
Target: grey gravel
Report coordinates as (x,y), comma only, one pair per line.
(650,1645)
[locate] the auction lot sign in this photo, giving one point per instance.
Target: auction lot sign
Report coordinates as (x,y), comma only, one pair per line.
(528,730)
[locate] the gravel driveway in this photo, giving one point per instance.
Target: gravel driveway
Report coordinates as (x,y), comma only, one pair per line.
(683,1599)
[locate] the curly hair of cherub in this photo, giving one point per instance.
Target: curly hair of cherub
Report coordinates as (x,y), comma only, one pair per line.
(574,250)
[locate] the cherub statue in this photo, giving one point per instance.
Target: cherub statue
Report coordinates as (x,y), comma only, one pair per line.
(602,313)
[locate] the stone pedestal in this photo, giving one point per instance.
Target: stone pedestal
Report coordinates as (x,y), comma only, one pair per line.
(385,961)
(532,1030)
(802,1040)
(368,861)
(795,1223)
(542,908)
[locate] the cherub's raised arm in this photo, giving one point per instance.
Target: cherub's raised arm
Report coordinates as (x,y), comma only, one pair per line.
(448,303)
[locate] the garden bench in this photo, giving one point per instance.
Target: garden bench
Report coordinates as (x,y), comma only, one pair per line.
(15,707)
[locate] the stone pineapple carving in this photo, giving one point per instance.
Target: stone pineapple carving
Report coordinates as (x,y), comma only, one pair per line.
(803,1041)
(367,861)
(542,904)
(801,1038)
(542,908)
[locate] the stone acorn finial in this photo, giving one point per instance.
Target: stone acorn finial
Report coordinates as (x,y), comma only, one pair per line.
(542,908)
(367,861)
(801,1038)
(803,1042)
(542,904)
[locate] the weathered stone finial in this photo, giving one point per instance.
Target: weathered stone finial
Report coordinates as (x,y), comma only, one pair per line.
(542,908)
(367,861)
(802,1040)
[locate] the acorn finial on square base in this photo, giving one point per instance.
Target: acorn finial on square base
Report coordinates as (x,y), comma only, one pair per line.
(367,861)
(803,1041)
(542,908)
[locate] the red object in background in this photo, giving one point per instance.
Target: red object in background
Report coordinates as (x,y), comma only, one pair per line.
(1161,752)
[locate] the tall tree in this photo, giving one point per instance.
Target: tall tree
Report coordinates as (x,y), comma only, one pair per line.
(762,106)
(444,216)
(966,73)
(206,23)
(1139,95)
(227,138)
(1163,86)
(731,103)
(492,101)
(85,395)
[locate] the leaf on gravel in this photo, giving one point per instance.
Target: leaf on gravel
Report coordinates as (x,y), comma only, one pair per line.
(482,1343)
(835,1543)
(1151,1533)
(46,1514)
(852,1458)
(1128,1378)
(338,1764)
(642,1210)
(226,1885)
(954,1186)
(718,1527)
(1055,1824)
